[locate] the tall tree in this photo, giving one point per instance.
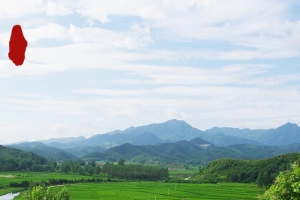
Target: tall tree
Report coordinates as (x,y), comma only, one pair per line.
(121,161)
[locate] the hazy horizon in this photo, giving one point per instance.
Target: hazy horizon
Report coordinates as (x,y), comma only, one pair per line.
(35,140)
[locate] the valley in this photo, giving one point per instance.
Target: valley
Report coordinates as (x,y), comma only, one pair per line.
(171,160)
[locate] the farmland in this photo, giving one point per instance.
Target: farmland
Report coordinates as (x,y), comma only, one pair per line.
(157,190)
(137,190)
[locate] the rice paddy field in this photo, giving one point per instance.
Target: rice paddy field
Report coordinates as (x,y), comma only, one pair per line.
(7,177)
(137,190)
(163,191)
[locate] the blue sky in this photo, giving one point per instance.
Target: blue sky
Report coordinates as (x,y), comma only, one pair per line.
(96,66)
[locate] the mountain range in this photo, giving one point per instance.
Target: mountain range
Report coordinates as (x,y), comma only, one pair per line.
(156,141)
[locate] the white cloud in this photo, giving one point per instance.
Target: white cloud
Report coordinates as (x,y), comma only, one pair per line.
(101,10)
(151,82)
(49,30)
(16,8)
(59,8)
(136,37)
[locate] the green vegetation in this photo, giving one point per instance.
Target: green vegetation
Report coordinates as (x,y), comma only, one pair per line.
(37,177)
(17,160)
(135,172)
(286,186)
(162,191)
(4,191)
(261,171)
(165,191)
(41,193)
(178,152)
(122,190)
(192,152)
(45,151)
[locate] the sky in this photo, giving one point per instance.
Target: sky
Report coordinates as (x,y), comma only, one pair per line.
(94,66)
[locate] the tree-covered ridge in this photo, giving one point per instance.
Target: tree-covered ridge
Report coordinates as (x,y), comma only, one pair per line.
(182,151)
(261,171)
(17,160)
(196,152)
(45,151)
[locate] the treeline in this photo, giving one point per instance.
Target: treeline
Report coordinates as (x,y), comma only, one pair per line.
(131,171)
(120,170)
(79,167)
(263,172)
(17,160)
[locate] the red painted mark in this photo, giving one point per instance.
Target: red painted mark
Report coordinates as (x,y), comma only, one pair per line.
(17,46)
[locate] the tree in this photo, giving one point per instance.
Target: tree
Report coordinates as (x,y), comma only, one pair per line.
(286,186)
(121,161)
(92,163)
(37,193)
(64,194)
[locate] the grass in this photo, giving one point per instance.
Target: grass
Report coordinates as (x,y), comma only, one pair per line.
(7,177)
(182,172)
(4,191)
(135,190)
(163,191)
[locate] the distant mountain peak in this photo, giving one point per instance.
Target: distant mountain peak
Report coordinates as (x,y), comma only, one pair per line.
(176,121)
(289,124)
(289,127)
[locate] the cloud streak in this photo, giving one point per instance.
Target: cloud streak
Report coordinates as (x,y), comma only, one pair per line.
(94,66)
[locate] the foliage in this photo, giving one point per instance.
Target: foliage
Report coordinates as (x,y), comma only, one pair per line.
(17,160)
(41,193)
(121,161)
(286,186)
(132,171)
(79,167)
(263,172)
(45,151)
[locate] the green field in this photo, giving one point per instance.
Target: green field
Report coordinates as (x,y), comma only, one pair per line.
(136,190)
(7,177)
(163,191)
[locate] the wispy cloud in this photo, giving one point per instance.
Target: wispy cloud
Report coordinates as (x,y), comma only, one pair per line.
(95,66)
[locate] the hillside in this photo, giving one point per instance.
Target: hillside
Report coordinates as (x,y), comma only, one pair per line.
(45,151)
(82,151)
(63,140)
(196,151)
(181,151)
(16,160)
(110,140)
(234,170)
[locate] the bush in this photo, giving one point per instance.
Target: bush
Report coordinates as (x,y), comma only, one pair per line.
(286,186)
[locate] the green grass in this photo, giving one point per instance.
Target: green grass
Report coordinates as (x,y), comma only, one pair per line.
(136,190)
(182,172)
(145,190)
(4,191)
(7,177)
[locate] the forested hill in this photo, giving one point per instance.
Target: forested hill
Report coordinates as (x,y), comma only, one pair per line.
(45,151)
(15,160)
(193,152)
(233,170)
(196,152)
